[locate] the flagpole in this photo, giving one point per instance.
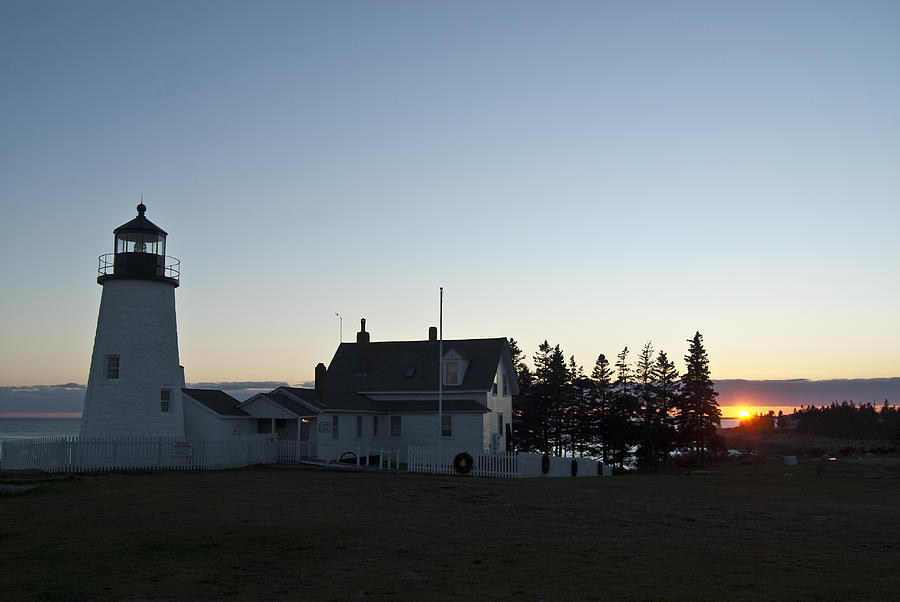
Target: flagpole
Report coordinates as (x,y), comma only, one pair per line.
(440,375)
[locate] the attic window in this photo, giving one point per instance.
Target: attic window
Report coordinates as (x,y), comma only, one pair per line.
(410,372)
(452,373)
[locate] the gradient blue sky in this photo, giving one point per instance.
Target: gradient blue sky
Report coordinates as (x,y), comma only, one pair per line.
(597,174)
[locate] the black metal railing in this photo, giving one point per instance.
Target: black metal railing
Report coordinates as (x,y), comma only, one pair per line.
(138,265)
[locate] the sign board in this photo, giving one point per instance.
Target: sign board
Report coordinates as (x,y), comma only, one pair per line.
(324,427)
(182,449)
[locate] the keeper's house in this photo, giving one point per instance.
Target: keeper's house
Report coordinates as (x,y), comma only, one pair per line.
(378,395)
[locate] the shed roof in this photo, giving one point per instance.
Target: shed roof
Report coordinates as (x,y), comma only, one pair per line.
(218,401)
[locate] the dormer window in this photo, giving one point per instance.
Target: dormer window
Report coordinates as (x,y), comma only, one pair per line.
(410,372)
(452,373)
(454,368)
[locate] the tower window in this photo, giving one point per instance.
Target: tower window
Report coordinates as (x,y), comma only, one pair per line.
(505,385)
(112,367)
(164,395)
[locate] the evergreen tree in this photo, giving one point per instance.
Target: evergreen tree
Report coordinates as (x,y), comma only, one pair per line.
(698,416)
(622,433)
(601,397)
(551,377)
(523,406)
(665,378)
(579,409)
(645,396)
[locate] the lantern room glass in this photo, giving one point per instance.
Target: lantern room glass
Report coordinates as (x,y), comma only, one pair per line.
(141,242)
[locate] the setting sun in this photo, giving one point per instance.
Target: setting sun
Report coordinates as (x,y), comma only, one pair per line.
(743,414)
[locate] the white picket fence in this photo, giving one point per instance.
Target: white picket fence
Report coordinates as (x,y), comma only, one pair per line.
(294,450)
(75,454)
(431,460)
(512,465)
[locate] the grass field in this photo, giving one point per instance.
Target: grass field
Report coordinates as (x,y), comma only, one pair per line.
(758,532)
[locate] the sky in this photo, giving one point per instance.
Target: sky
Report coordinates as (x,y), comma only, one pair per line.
(596,174)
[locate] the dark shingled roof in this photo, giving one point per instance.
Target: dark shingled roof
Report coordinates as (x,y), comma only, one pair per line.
(403,367)
(289,404)
(391,359)
(219,402)
(337,400)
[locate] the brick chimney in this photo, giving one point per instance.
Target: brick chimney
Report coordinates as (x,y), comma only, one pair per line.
(320,381)
(363,353)
(432,334)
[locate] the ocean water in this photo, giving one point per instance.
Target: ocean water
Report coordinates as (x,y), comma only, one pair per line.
(34,428)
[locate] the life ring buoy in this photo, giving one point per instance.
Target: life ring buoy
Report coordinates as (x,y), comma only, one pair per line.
(463,463)
(545,463)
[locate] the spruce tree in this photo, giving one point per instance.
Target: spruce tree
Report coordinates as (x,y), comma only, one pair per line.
(579,409)
(698,415)
(622,412)
(666,386)
(601,397)
(551,380)
(522,404)
(645,395)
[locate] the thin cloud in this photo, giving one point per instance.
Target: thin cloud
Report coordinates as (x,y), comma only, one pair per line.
(803,392)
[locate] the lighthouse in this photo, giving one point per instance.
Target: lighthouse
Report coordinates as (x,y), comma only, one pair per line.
(134,386)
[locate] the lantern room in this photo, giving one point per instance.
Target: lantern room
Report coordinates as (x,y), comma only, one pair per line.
(140,253)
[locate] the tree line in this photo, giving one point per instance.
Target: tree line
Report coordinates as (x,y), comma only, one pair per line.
(640,410)
(845,419)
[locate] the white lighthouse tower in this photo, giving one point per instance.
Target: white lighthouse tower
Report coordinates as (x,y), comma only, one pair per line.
(134,387)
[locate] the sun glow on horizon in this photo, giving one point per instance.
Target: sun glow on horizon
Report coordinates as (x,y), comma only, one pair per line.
(743,414)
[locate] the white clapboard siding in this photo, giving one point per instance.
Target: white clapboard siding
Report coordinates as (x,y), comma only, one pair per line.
(74,454)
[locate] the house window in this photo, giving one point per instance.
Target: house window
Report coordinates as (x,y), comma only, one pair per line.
(279,423)
(410,372)
(505,385)
(494,387)
(375,427)
(334,426)
(500,423)
(452,376)
(112,367)
(304,429)
(359,427)
(396,426)
(446,425)
(164,399)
